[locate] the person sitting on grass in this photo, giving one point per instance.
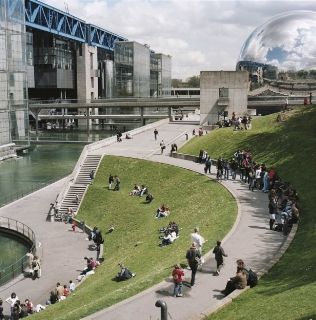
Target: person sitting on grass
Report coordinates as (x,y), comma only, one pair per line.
(168,238)
(53,298)
(90,266)
(149,198)
(124,274)
(136,191)
(162,211)
(143,191)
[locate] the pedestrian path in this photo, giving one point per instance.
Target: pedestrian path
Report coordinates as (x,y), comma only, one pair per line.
(62,251)
(249,239)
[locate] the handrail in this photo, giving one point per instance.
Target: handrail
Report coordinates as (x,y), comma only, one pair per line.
(19,266)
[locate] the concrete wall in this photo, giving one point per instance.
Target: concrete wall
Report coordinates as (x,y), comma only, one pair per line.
(87,78)
(210,84)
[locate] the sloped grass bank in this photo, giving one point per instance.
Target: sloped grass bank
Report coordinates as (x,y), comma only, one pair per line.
(288,291)
(194,200)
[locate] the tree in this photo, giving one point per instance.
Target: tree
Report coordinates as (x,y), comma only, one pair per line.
(194,82)
(176,83)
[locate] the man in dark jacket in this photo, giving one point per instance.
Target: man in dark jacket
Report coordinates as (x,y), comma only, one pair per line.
(193,256)
(219,254)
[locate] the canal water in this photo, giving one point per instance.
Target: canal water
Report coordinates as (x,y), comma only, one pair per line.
(11,250)
(43,164)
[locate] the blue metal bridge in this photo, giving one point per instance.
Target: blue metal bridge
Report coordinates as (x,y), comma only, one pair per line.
(41,16)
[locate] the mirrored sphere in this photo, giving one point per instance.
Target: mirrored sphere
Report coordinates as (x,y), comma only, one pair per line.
(286,43)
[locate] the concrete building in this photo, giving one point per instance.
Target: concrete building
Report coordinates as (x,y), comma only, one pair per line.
(163,74)
(63,58)
(222,91)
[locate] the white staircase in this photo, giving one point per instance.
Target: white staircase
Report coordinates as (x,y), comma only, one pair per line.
(91,163)
(79,187)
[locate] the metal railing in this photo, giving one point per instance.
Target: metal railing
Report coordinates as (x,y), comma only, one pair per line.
(15,269)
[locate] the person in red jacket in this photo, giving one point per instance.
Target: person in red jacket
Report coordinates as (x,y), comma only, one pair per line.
(177,275)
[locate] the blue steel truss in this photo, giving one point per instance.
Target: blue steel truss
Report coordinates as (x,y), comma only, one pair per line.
(102,38)
(41,16)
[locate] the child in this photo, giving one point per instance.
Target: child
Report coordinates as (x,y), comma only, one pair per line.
(177,275)
(219,254)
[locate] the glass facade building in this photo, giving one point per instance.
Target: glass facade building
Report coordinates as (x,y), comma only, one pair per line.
(140,72)
(164,74)
(132,69)
(13,75)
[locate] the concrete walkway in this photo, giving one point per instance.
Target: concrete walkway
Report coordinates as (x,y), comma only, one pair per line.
(62,251)
(250,239)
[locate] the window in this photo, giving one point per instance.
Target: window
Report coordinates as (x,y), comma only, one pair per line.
(11,80)
(223,92)
(92,82)
(80,49)
(91,60)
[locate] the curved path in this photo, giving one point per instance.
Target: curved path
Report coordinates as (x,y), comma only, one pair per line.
(249,239)
(62,251)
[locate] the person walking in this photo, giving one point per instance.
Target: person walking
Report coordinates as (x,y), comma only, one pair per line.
(162,146)
(197,239)
(193,256)
(155,133)
(36,265)
(177,275)
(91,176)
(219,257)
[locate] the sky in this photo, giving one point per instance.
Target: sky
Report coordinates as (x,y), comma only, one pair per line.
(199,35)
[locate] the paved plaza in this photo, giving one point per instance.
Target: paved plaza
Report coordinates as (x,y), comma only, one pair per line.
(62,250)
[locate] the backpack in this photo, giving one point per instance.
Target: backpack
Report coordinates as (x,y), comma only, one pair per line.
(252,278)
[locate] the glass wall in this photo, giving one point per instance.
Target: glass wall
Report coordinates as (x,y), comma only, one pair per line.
(141,76)
(164,74)
(132,69)
(153,75)
(13,79)
(123,59)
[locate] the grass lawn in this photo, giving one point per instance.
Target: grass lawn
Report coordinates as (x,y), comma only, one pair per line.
(288,291)
(194,200)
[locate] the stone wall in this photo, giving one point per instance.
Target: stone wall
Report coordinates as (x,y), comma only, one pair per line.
(211,82)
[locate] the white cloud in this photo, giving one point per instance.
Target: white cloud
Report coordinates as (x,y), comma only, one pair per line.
(199,35)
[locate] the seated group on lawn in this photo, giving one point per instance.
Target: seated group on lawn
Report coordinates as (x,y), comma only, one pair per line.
(170,234)
(139,190)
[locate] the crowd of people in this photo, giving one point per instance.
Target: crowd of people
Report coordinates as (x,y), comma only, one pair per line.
(20,309)
(237,122)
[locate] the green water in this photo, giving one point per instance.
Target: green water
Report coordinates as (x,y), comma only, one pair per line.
(71,136)
(45,163)
(11,250)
